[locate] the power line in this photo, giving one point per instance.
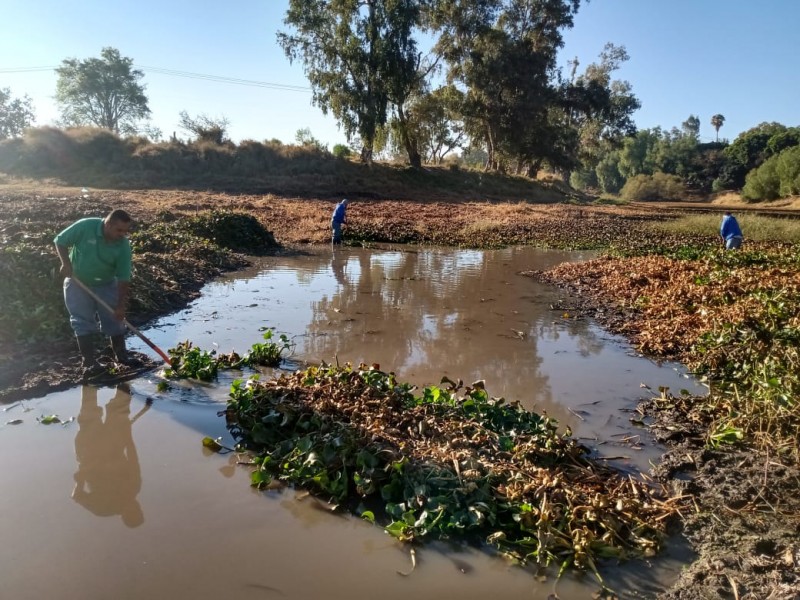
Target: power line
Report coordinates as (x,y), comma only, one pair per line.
(222,79)
(185,74)
(25,69)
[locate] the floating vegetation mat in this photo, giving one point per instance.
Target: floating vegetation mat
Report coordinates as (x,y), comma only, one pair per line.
(189,361)
(449,462)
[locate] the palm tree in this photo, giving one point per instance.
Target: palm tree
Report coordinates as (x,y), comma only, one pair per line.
(716,123)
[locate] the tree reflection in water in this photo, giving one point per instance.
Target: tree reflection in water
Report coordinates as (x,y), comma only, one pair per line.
(416,309)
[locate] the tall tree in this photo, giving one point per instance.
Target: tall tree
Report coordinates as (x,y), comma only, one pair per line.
(600,107)
(102,91)
(503,54)
(435,122)
(691,127)
(717,122)
(15,114)
(359,55)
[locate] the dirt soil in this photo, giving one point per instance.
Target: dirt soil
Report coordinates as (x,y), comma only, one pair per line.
(745,527)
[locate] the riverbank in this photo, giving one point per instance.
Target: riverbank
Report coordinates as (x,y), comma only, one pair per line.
(746,516)
(735,451)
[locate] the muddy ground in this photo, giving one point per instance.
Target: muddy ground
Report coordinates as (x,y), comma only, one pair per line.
(745,521)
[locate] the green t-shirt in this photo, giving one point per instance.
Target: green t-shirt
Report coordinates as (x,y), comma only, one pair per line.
(95,261)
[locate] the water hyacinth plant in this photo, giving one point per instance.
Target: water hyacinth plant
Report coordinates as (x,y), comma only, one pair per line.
(189,361)
(451,462)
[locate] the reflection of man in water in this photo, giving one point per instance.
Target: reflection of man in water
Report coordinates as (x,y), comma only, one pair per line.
(338,262)
(108,478)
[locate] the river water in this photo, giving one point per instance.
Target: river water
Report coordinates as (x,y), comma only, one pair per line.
(122,501)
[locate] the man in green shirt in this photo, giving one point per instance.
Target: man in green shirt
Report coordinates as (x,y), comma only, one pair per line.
(97,252)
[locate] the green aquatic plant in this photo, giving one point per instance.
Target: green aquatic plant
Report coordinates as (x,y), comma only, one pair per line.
(449,462)
(191,362)
(268,353)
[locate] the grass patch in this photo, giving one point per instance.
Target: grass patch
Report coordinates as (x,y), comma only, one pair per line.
(755,227)
(609,201)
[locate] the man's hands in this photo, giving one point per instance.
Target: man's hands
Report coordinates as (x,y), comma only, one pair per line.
(66,264)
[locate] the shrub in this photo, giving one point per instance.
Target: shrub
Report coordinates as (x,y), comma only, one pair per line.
(788,169)
(658,186)
(254,158)
(46,151)
(98,148)
(216,158)
(763,183)
(583,179)
(341,151)
(10,153)
(608,177)
(778,177)
(166,159)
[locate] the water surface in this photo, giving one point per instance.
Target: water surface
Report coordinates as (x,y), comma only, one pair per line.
(124,502)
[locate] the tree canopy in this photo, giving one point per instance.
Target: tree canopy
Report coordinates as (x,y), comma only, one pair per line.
(359,56)
(716,122)
(15,114)
(503,54)
(499,57)
(104,92)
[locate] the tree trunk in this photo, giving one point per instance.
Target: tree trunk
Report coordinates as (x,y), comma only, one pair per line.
(366,155)
(414,158)
(490,160)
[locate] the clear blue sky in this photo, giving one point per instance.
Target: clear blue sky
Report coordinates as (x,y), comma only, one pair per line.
(701,57)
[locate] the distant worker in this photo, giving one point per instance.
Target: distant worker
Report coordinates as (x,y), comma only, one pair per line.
(729,232)
(338,219)
(97,252)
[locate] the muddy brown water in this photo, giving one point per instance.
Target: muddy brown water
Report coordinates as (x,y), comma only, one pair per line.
(123,501)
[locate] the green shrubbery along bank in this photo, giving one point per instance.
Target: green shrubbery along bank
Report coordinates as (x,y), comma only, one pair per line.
(656,164)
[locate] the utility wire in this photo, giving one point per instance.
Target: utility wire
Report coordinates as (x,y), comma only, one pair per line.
(25,69)
(221,79)
(186,74)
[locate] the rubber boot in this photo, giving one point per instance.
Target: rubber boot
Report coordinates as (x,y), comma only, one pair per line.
(88,359)
(121,352)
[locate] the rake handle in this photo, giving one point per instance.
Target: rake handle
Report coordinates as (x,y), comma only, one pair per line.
(125,322)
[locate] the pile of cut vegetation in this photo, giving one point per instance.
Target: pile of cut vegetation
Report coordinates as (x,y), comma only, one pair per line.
(449,462)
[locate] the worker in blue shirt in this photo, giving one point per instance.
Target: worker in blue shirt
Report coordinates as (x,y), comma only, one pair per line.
(729,232)
(337,220)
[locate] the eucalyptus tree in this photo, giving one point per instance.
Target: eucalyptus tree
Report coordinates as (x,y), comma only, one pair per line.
(105,92)
(360,56)
(716,122)
(690,128)
(502,53)
(435,119)
(600,107)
